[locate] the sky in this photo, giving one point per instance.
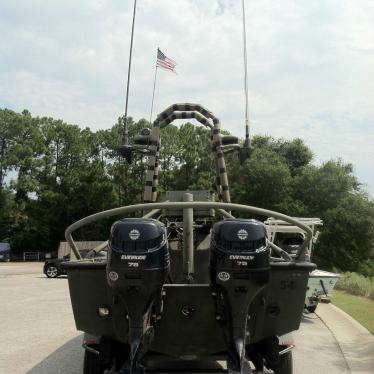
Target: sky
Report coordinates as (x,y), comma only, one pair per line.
(310,66)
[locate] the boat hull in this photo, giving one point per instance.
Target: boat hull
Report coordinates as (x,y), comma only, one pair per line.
(320,285)
(276,310)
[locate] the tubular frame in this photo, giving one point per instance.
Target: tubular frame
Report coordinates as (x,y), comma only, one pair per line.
(184,205)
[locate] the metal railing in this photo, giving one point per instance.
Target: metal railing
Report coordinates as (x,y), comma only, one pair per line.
(194,205)
(31,256)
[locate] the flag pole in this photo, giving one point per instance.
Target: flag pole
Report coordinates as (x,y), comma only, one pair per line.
(153,94)
(247,139)
(125,126)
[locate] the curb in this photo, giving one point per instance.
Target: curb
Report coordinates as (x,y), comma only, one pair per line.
(355,341)
(358,325)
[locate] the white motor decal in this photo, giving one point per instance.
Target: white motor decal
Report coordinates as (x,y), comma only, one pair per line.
(134,234)
(242,234)
(223,276)
(113,276)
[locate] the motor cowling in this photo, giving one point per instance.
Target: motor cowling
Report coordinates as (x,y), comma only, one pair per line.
(239,270)
(137,268)
(239,248)
(138,253)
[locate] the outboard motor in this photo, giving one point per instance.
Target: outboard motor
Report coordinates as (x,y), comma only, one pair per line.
(138,266)
(239,269)
(292,243)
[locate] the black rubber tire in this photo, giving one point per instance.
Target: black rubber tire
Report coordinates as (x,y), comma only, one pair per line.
(51,271)
(311,308)
(91,364)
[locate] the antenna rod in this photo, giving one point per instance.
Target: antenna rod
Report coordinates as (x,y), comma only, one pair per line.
(153,94)
(126,130)
(247,140)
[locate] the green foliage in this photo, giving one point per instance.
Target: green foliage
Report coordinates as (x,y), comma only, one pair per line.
(348,235)
(65,173)
(294,153)
(332,193)
(360,308)
(188,150)
(322,187)
(264,180)
(6,204)
(356,284)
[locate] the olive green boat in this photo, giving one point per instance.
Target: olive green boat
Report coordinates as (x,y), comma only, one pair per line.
(186,286)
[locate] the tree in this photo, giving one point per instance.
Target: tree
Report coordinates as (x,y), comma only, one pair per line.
(295,153)
(320,188)
(347,241)
(6,204)
(64,173)
(193,159)
(264,180)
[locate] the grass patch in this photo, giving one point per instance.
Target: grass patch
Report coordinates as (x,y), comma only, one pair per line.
(356,284)
(360,308)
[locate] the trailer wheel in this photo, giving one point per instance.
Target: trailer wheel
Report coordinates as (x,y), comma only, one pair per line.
(285,364)
(91,364)
(51,271)
(311,308)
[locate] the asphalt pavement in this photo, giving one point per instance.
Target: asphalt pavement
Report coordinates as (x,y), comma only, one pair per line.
(38,334)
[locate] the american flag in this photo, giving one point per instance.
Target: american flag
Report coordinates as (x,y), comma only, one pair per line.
(165,62)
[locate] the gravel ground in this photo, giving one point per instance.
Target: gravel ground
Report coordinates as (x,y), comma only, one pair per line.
(38,334)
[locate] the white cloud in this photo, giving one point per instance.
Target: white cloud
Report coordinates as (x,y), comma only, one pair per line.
(310,65)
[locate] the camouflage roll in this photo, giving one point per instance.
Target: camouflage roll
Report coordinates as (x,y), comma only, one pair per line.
(205,117)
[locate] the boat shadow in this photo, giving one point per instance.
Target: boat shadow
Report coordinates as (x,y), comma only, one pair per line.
(66,359)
